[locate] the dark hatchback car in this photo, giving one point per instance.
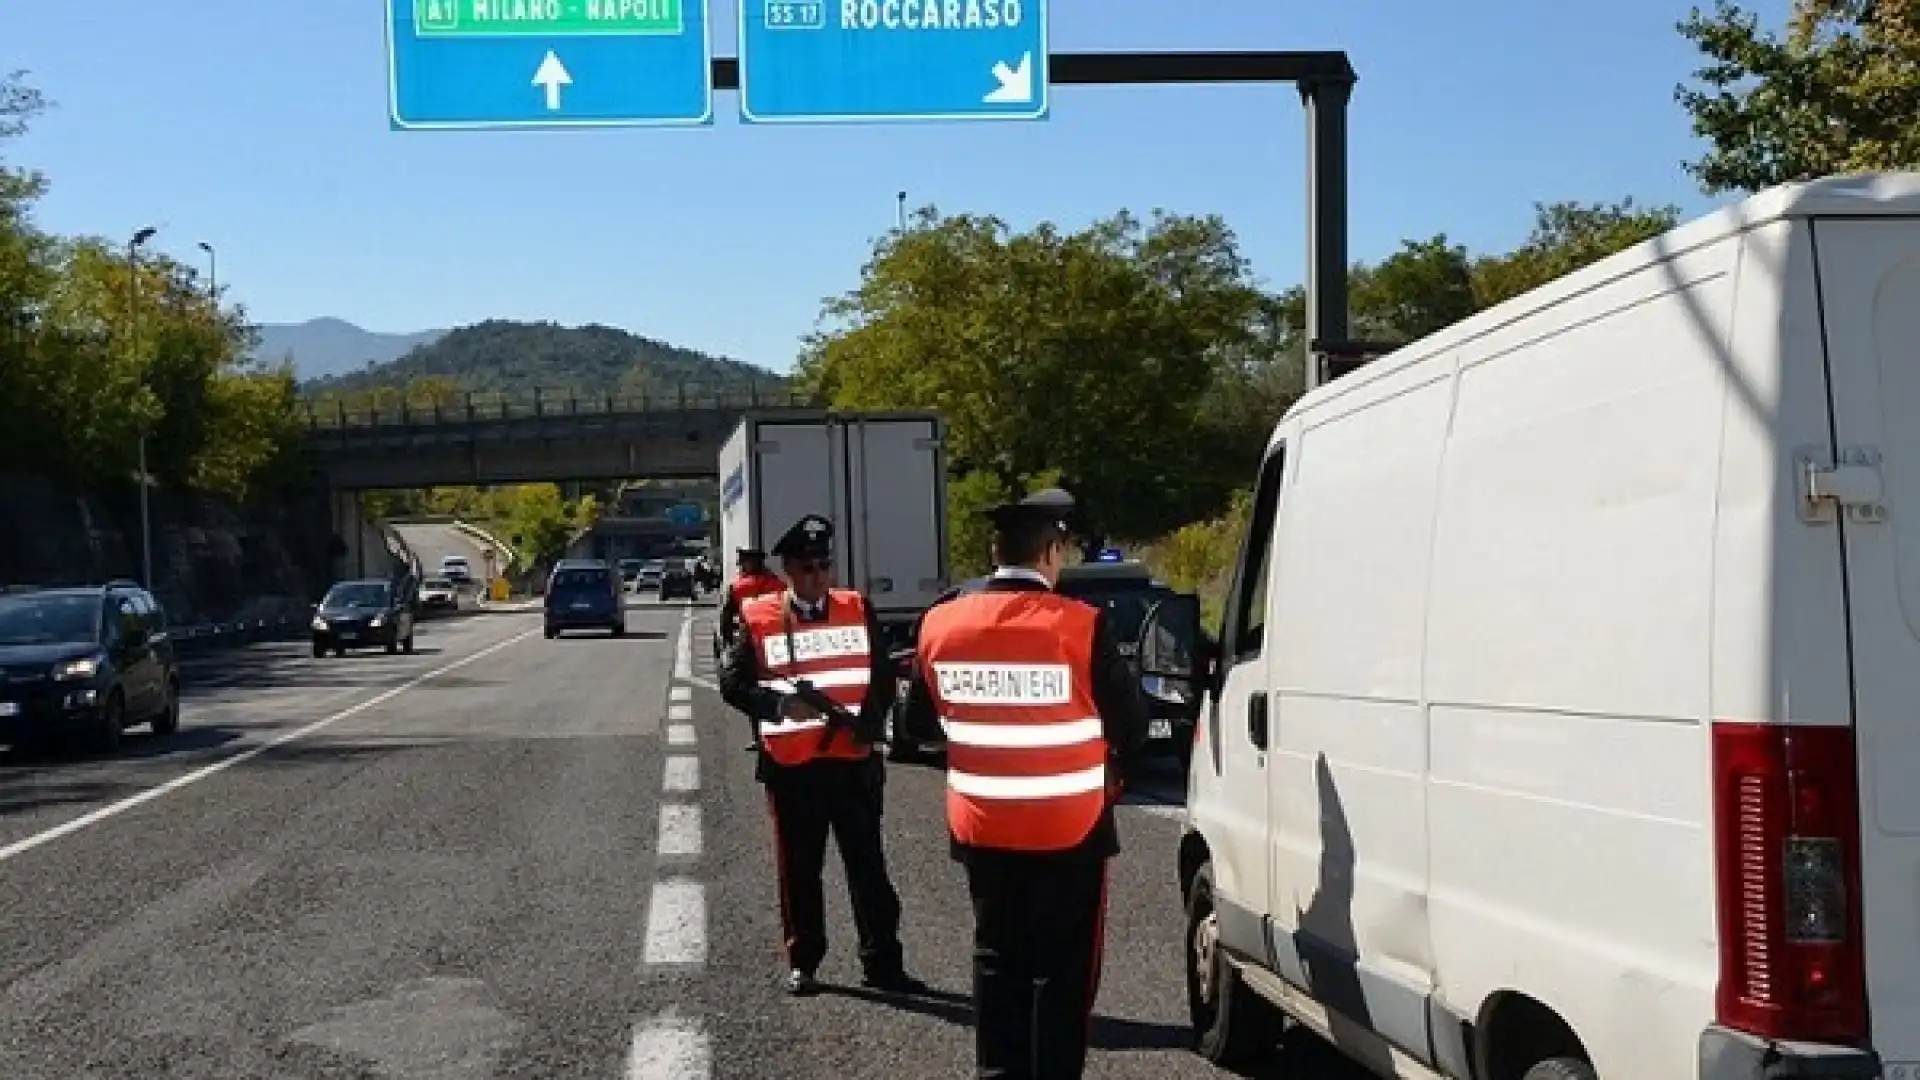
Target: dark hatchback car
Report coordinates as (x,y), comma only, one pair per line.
(676,579)
(85,661)
(585,594)
(362,615)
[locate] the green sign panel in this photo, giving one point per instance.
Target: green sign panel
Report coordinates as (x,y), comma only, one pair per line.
(546,18)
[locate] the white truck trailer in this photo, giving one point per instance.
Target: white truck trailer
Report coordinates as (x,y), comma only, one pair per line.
(880,476)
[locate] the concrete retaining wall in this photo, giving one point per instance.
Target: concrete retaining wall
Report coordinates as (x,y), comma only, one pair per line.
(215,564)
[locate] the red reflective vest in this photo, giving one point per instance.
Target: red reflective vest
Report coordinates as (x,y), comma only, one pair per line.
(747,586)
(1011,675)
(834,654)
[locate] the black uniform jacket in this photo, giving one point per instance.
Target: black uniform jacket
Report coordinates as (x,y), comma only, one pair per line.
(1116,693)
(740,675)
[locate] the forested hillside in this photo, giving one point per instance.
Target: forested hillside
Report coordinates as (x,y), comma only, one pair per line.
(516,358)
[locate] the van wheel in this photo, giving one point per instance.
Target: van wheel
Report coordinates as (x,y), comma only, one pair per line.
(1562,1069)
(1232,1025)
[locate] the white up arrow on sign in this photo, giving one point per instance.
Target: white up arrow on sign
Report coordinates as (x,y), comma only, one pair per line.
(552,75)
(1016,84)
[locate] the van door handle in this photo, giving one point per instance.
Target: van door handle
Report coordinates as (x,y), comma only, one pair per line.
(1257,719)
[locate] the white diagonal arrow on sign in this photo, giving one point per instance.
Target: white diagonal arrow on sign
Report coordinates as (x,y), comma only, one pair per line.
(1016,83)
(552,75)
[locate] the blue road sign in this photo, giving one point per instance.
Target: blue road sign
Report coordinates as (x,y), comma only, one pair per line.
(846,61)
(455,64)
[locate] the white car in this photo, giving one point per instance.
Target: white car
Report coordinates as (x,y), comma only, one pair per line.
(456,568)
(1564,721)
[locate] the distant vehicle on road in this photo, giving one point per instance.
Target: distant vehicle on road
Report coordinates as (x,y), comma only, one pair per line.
(583,593)
(456,568)
(362,615)
(650,573)
(629,570)
(676,579)
(85,661)
(439,594)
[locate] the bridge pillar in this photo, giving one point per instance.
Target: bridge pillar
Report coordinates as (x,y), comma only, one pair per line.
(350,529)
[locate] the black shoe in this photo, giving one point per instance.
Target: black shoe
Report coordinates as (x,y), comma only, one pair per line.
(751,747)
(801,984)
(893,982)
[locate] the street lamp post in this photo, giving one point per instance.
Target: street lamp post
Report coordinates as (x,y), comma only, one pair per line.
(133,338)
(900,211)
(213,271)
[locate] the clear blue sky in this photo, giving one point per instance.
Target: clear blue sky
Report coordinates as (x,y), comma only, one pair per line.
(260,126)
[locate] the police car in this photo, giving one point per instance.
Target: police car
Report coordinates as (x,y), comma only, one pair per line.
(1127,592)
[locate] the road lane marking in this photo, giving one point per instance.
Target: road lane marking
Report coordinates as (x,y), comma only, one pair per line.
(677,922)
(679,693)
(680,710)
(681,735)
(111,810)
(683,649)
(683,773)
(705,684)
(680,831)
(670,1047)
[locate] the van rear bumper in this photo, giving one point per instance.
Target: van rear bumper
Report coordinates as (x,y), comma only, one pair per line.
(1726,1054)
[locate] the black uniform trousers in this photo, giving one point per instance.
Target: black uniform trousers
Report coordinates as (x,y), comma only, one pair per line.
(842,797)
(1039,930)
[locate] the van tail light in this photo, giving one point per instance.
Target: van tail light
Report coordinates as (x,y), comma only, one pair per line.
(1786,819)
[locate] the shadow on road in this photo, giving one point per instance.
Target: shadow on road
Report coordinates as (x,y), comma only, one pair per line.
(1301,1055)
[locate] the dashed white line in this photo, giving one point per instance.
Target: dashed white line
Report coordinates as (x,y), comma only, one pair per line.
(677,922)
(21,847)
(681,735)
(680,693)
(680,831)
(669,1047)
(683,773)
(680,710)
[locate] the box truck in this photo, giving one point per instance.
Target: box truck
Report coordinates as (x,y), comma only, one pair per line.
(881,478)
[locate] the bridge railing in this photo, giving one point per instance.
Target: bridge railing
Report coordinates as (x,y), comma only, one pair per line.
(542,402)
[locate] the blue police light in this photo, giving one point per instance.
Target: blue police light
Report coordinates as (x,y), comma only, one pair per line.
(1109,555)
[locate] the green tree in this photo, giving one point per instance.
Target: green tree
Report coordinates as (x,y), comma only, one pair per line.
(1838,93)
(69,308)
(1087,353)
(1566,236)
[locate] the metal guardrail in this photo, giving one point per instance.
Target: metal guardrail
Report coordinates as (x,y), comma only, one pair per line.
(555,403)
(208,637)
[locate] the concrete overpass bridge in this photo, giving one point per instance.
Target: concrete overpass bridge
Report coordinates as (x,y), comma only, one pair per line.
(538,436)
(542,435)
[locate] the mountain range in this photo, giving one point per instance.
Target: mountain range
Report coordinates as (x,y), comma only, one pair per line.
(328,346)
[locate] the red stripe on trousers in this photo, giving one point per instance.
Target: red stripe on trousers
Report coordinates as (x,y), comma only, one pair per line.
(780,874)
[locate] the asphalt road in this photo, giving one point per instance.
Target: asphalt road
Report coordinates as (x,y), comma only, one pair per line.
(502,856)
(432,542)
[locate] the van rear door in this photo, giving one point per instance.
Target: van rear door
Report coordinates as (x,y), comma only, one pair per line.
(1870,311)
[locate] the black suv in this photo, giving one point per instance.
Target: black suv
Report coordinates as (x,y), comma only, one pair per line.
(85,661)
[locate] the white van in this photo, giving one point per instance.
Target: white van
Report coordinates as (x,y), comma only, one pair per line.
(1567,722)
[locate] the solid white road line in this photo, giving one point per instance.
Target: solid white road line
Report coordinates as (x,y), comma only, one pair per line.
(679,831)
(681,735)
(683,649)
(94,817)
(669,1047)
(683,773)
(677,922)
